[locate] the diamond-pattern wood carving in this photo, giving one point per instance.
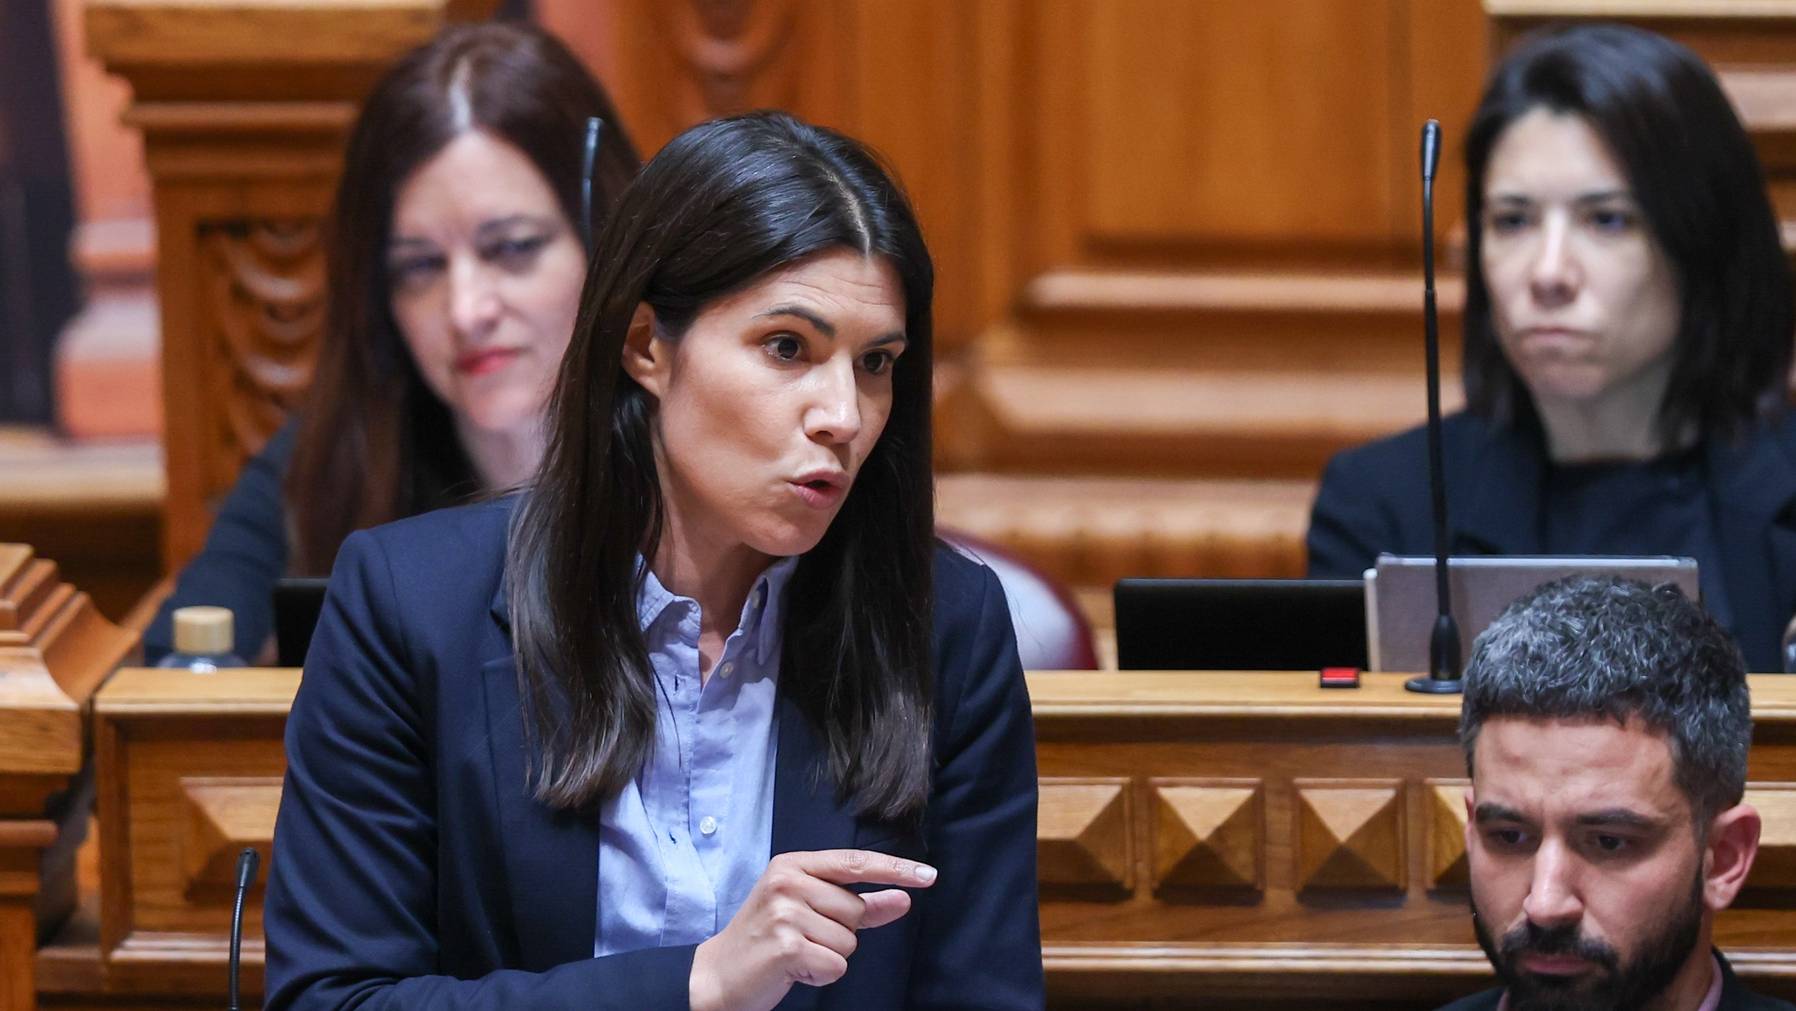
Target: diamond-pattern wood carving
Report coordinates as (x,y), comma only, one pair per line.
(1446,833)
(1208,834)
(1082,833)
(1349,834)
(222,816)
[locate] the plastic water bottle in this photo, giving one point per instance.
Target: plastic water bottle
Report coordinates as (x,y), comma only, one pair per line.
(1789,647)
(203,637)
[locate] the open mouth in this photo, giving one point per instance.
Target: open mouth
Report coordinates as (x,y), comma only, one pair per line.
(819,492)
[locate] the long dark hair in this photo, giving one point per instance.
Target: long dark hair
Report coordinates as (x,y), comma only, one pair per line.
(722,205)
(1693,171)
(374,442)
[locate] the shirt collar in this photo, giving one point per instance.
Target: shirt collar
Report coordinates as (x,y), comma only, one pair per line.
(761,621)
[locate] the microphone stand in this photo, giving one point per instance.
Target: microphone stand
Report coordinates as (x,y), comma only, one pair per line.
(1443,645)
(247,862)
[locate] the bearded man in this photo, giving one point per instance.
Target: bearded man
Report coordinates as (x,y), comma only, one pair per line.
(1606,726)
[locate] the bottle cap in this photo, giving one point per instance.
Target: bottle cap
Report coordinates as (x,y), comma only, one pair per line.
(203,630)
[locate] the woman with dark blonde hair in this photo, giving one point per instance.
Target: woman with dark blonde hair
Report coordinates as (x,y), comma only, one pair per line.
(455,259)
(640,736)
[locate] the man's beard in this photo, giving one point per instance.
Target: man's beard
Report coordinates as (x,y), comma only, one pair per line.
(1608,986)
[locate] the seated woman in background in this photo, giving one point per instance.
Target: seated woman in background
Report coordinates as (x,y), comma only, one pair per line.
(454,263)
(1628,328)
(626,739)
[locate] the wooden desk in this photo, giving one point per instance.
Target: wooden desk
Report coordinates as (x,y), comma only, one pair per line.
(1213,837)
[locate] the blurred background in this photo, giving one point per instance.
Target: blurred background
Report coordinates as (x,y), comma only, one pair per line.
(1177,240)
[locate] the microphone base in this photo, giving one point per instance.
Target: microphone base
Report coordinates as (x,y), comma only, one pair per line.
(1435,686)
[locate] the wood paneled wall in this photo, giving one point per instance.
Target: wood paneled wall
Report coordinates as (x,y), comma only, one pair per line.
(1177,241)
(1174,238)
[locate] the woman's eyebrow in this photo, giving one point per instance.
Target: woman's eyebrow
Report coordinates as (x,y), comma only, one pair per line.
(500,224)
(822,325)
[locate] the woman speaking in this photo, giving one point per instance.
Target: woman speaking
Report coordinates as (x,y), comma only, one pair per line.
(706,717)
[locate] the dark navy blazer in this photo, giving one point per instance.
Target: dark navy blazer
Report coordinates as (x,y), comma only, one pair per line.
(1375,498)
(412,868)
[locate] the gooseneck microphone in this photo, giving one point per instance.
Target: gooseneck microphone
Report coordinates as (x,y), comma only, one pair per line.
(1443,645)
(588,161)
(247,862)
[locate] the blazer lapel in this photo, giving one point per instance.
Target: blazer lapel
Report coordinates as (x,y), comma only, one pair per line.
(806,815)
(551,858)
(1497,511)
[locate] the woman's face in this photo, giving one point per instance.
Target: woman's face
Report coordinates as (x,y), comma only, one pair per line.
(484,274)
(771,401)
(1582,296)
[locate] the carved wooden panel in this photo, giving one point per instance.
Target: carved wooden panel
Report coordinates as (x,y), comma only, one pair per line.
(1209,834)
(189,774)
(265,311)
(1349,834)
(1444,800)
(41,612)
(1082,835)
(223,816)
(1205,749)
(54,650)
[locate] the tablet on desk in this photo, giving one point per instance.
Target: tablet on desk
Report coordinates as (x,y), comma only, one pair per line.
(297,602)
(1240,624)
(1400,605)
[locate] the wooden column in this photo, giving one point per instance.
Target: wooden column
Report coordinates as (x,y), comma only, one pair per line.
(244,105)
(40,751)
(55,650)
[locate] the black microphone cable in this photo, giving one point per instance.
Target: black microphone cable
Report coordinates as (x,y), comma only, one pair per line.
(247,863)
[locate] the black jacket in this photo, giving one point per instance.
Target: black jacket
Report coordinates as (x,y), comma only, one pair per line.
(413,868)
(1734,996)
(1374,498)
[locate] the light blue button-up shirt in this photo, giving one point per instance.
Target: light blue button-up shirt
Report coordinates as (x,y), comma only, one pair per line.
(683,843)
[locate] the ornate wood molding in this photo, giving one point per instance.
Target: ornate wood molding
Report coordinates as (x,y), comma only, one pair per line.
(55,650)
(265,317)
(1203,835)
(243,105)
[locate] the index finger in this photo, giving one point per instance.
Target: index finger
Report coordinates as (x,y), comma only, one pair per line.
(848,867)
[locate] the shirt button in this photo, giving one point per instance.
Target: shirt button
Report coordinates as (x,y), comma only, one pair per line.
(728,668)
(707,826)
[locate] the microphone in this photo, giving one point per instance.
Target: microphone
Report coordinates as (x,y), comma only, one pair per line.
(1443,645)
(593,127)
(247,862)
